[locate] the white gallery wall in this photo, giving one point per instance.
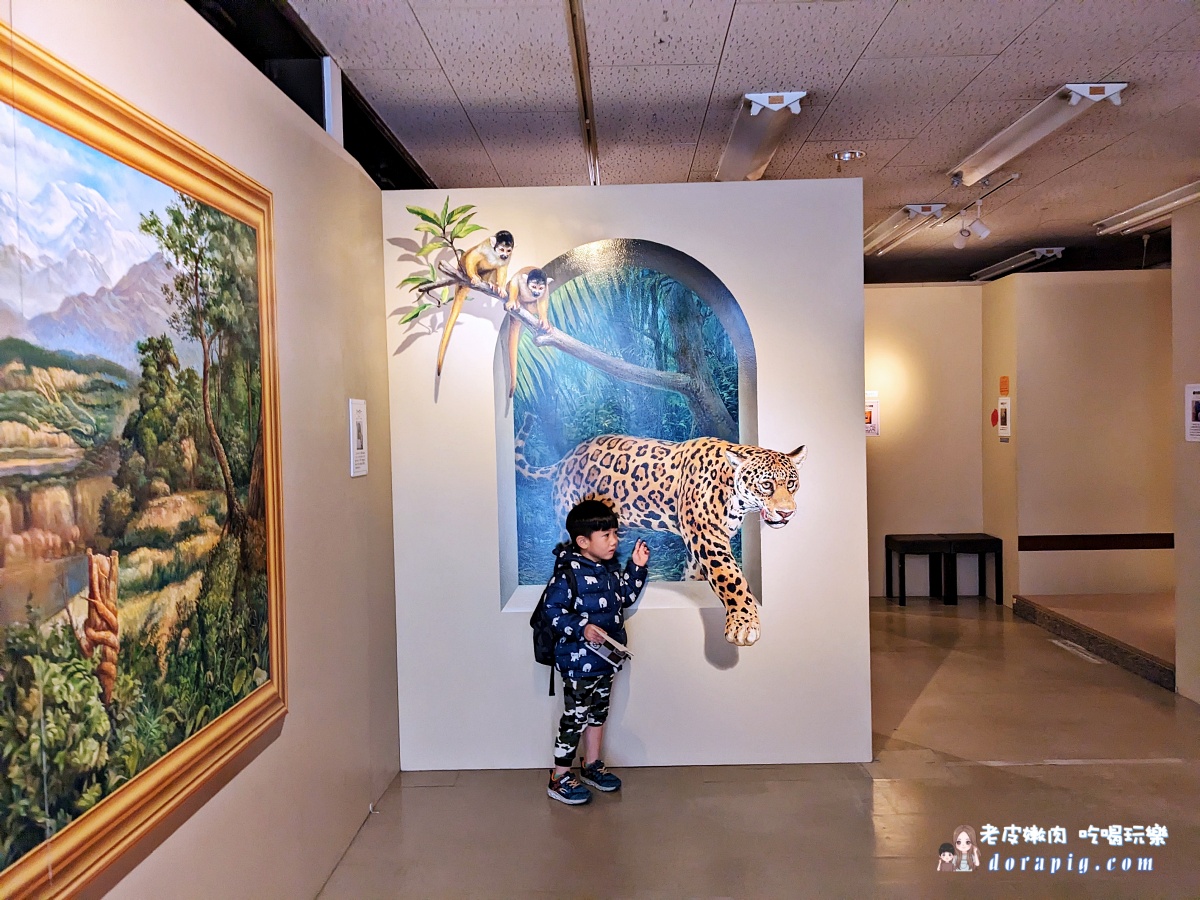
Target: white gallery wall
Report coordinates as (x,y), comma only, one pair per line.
(280,826)
(471,695)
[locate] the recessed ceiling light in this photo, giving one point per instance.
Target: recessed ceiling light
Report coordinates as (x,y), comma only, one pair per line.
(847,155)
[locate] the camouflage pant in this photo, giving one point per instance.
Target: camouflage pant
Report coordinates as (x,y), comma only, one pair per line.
(585,702)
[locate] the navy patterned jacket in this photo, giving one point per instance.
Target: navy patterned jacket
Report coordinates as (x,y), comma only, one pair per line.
(604,595)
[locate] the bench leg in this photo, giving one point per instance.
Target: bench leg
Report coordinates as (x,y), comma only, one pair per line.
(935,575)
(1000,577)
(982,557)
(950,596)
(887,569)
(900,554)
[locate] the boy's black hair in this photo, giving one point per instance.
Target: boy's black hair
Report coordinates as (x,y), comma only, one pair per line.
(588,517)
(945,848)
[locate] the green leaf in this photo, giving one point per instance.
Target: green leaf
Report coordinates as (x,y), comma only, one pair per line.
(431,247)
(445,218)
(426,228)
(422,213)
(461,231)
(445,295)
(459,211)
(414,280)
(413,313)
(238,681)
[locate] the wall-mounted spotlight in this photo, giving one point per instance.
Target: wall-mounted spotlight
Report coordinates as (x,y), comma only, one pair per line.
(1055,111)
(1030,259)
(758,130)
(1150,214)
(900,226)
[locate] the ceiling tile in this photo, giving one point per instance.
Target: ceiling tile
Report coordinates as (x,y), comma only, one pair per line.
(641,164)
(1159,82)
(718,123)
(813,160)
(370,34)
(796,47)
(652,104)
(422,111)
(1184,36)
(502,57)
(794,138)
(530,150)
(959,129)
(672,32)
(1075,41)
(886,99)
(918,28)
(898,185)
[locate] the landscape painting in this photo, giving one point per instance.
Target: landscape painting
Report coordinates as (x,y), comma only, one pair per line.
(136,604)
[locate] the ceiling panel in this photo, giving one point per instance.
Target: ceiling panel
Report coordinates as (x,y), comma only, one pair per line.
(1076,41)
(1159,82)
(672,32)
(421,109)
(641,164)
(522,144)
(795,138)
(796,47)
(370,34)
(954,27)
(1184,36)
(813,160)
(651,104)
(886,99)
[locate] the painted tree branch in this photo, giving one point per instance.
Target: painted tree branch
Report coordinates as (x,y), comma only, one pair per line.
(709,411)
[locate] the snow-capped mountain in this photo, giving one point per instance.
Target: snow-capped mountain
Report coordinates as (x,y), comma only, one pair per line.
(71,241)
(111,321)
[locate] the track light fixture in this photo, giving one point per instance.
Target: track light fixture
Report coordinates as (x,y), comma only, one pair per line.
(1152,213)
(1032,258)
(1055,111)
(975,227)
(900,226)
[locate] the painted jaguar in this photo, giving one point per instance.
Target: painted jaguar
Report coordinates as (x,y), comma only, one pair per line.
(700,489)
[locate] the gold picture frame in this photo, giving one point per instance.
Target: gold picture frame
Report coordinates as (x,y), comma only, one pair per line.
(141,812)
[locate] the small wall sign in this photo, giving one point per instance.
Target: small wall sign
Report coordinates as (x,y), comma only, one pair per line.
(1191,412)
(358,438)
(872,417)
(1005,407)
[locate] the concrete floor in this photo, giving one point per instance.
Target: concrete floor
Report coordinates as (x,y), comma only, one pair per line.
(978,719)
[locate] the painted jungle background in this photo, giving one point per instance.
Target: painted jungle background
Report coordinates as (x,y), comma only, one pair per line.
(133,586)
(640,316)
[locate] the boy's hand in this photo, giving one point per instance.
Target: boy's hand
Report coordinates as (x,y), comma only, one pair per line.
(594,633)
(641,553)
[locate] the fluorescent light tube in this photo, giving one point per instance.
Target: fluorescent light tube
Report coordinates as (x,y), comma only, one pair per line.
(1032,257)
(1054,112)
(899,227)
(1144,214)
(758,130)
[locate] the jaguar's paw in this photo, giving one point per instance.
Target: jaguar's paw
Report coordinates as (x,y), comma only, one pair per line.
(741,633)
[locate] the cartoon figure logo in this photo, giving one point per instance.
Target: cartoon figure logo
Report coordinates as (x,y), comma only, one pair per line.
(946,858)
(966,850)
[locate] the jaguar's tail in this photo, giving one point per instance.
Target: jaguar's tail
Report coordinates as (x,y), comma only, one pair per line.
(545,473)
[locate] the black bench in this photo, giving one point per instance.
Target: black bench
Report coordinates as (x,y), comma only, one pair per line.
(943,550)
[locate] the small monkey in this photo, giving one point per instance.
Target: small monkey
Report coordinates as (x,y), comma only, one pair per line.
(529,289)
(485,263)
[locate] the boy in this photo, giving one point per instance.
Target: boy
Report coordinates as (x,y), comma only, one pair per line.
(588,614)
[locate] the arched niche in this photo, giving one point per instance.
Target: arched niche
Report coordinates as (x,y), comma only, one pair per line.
(613,295)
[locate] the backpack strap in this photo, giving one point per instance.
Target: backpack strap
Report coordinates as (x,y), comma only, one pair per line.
(551,681)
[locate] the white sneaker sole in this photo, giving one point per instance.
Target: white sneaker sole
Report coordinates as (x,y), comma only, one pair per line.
(561,799)
(590,783)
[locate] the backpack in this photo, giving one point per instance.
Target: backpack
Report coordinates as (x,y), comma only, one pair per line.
(544,638)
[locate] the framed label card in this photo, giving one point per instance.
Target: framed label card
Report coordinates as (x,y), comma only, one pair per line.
(358,438)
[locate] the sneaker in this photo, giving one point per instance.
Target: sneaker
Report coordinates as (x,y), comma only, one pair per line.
(567,789)
(599,777)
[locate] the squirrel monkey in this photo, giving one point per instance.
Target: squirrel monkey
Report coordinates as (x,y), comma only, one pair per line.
(485,263)
(529,289)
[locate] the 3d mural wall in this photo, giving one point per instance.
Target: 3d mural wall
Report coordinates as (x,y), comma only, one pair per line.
(623,368)
(140,568)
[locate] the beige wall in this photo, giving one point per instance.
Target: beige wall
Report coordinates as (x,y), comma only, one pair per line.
(1185,278)
(1094,417)
(279,827)
(1000,459)
(922,346)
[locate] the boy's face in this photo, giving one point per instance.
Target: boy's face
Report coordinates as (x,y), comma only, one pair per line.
(599,546)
